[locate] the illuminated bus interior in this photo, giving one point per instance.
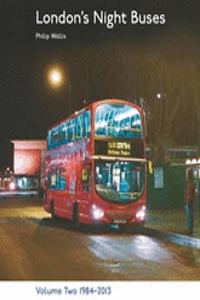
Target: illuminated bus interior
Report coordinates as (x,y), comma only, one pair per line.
(74,129)
(119,181)
(118,120)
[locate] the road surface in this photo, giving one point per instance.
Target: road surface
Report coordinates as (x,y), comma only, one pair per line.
(33,247)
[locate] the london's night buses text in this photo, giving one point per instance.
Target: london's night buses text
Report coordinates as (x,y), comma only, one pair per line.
(109,20)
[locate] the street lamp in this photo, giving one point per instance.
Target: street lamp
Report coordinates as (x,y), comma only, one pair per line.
(55,77)
(158,96)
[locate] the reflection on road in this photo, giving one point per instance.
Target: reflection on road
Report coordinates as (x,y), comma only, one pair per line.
(145,257)
(125,248)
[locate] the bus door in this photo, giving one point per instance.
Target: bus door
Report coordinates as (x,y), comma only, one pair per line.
(61,189)
(86,187)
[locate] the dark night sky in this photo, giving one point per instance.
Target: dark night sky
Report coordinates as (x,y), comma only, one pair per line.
(28,106)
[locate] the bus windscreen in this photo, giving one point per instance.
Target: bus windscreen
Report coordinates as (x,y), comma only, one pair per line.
(119,181)
(118,121)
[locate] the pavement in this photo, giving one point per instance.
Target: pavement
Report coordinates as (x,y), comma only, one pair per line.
(170,224)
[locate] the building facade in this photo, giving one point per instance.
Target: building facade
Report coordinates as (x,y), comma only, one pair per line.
(28,163)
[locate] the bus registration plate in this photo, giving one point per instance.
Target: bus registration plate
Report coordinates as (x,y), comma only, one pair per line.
(119,221)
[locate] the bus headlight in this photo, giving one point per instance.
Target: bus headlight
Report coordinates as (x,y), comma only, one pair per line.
(97,212)
(140,215)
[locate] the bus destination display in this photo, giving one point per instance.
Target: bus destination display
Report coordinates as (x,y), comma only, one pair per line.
(119,148)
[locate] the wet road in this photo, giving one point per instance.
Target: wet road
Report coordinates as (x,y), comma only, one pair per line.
(35,248)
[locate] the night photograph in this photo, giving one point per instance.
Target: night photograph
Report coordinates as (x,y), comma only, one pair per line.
(99,147)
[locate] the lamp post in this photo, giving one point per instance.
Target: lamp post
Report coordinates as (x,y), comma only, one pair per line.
(162,97)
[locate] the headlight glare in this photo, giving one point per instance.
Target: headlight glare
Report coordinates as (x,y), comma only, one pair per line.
(97,212)
(141,213)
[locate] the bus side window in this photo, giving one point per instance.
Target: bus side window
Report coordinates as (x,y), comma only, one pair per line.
(49,140)
(71,128)
(62,180)
(54,137)
(86,178)
(78,128)
(52,180)
(69,131)
(87,123)
(82,124)
(65,128)
(61,134)
(56,179)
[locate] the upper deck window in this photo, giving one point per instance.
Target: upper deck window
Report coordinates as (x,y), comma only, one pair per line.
(75,129)
(118,120)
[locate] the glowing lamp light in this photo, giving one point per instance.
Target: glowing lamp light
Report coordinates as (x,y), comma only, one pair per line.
(194,161)
(55,77)
(158,95)
(188,162)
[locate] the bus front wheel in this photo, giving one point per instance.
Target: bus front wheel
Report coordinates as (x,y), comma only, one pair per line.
(76,217)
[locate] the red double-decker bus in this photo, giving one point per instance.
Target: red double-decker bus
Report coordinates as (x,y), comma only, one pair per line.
(95,165)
